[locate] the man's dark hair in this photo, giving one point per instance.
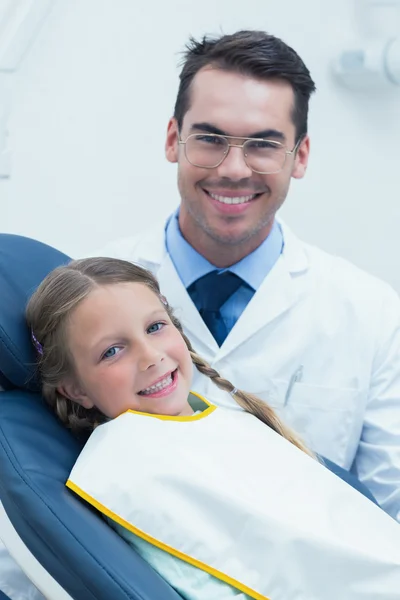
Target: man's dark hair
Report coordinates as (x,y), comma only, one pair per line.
(255,54)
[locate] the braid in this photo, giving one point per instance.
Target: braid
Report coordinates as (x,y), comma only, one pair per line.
(76,418)
(250,403)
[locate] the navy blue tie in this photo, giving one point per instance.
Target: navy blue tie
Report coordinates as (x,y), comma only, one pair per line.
(212,291)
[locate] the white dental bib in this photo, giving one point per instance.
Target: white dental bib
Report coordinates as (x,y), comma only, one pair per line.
(225,493)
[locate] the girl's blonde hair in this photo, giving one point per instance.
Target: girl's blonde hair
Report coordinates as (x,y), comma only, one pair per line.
(47,315)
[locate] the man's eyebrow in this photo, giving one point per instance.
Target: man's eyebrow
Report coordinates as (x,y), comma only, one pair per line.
(266,133)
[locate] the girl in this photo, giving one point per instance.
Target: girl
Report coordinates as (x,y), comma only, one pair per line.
(218,503)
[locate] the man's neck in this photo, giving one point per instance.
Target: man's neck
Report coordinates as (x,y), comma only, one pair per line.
(222,255)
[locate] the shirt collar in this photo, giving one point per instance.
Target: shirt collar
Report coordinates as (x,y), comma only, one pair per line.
(190,265)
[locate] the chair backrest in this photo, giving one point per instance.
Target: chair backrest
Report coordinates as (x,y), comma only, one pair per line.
(72,542)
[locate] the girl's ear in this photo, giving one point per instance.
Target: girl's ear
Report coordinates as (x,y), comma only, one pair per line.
(74,392)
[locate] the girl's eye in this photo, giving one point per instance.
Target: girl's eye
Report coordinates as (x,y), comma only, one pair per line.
(111,352)
(155,327)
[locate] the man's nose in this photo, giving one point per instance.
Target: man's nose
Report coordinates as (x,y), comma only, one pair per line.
(234,166)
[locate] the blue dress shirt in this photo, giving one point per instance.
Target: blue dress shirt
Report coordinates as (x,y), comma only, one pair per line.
(190,265)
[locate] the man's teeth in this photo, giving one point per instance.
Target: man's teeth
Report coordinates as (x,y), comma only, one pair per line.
(158,386)
(235,200)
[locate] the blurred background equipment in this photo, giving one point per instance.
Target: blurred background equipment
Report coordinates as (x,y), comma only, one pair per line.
(374,60)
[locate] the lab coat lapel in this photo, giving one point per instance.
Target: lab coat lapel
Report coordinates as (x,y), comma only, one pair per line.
(276,295)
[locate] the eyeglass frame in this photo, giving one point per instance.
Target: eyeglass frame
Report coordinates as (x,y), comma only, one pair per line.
(246,139)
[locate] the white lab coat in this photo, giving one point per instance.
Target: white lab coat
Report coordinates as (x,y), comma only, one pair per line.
(318,319)
(314,311)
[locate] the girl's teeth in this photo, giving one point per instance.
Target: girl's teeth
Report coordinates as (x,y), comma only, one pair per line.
(158,386)
(235,200)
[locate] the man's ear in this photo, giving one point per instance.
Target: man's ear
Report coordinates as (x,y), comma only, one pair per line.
(172,141)
(74,392)
(301,158)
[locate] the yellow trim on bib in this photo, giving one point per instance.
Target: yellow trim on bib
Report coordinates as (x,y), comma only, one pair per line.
(192,561)
(202,415)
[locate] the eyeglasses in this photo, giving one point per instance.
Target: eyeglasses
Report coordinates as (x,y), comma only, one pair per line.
(209,150)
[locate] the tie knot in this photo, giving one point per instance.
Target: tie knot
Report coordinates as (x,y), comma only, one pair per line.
(215,288)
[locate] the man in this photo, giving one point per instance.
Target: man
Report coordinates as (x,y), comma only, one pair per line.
(309,333)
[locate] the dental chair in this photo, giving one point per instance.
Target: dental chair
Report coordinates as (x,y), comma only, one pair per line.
(63,546)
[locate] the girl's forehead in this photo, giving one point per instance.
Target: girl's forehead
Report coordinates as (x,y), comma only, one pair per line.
(120,293)
(112,302)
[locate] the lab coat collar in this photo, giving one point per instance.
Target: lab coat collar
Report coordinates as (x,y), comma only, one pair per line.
(152,250)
